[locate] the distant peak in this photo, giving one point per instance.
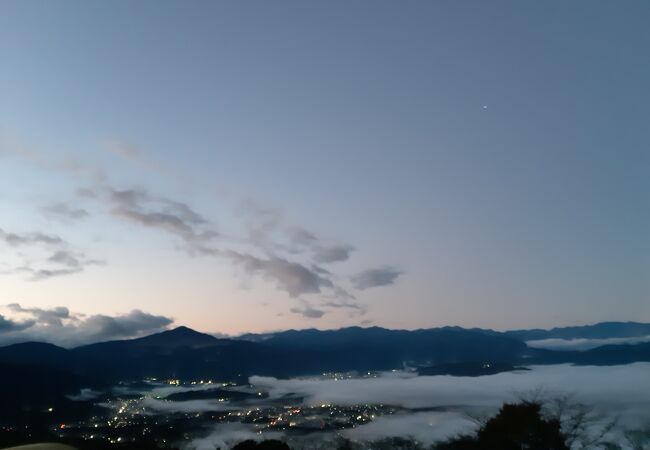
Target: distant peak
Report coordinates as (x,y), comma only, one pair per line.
(179,336)
(184,330)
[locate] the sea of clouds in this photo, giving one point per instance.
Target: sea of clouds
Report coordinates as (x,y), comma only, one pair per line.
(623,390)
(583,343)
(440,407)
(614,392)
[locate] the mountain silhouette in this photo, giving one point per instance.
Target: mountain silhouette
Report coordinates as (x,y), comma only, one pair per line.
(188,354)
(602,330)
(170,340)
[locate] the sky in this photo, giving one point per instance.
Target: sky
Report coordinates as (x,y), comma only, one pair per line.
(256,166)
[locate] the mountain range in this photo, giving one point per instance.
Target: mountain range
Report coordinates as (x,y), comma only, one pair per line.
(602,330)
(36,374)
(188,354)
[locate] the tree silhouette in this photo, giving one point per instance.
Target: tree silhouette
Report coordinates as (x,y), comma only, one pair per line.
(269,444)
(521,426)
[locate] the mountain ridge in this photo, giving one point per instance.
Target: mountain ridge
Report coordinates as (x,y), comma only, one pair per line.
(599,330)
(176,337)
(185,353)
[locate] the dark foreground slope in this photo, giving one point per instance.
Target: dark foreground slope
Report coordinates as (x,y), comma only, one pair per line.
(31,394)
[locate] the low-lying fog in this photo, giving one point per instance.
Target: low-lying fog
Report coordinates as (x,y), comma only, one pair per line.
(623,390)
(440,406)
(583,343)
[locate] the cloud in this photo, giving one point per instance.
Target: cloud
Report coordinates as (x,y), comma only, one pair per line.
(302,240)
(267,232)
(375,277)
(267,229)
(66,165)
(425,427)
(300,236)
(618,391)
(226,435)
(7,325)
(20,239)
(85,394)
(44,274)
(291,277)
(125,150)
(293,255)
(62,260)
(584,344)
(69,262)
(356,308)
(131,153)
(430,409)
(261,223)
(65,212)
(331,254)
(66,258)
(59,326)
(138,206)
(135,323)
(308,311)
(53,316)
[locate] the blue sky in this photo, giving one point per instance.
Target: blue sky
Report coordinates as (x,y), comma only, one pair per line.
(473,163)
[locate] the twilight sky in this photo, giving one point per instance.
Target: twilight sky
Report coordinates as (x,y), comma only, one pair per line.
(251,166)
